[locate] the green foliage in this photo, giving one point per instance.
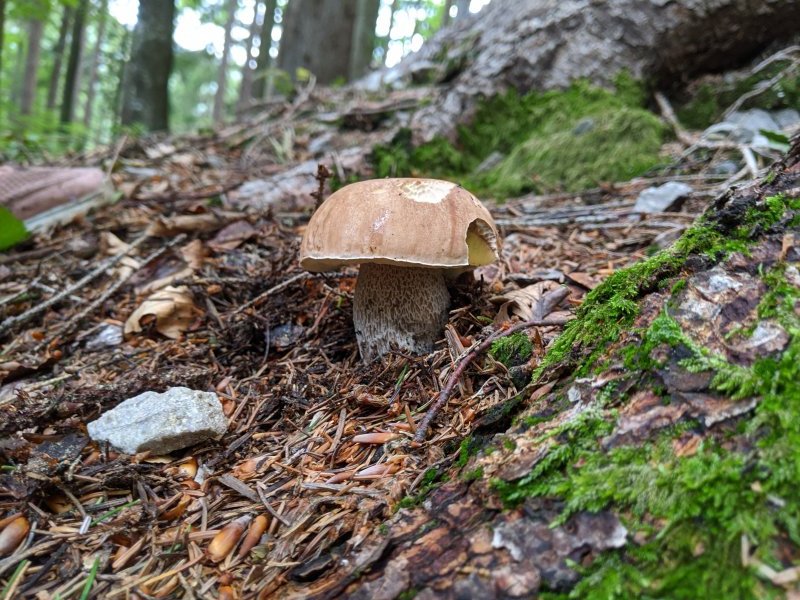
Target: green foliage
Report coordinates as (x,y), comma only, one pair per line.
(567,139)
(12,230)
(513,349)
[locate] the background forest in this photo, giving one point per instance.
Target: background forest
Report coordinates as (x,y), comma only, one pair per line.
(76,73)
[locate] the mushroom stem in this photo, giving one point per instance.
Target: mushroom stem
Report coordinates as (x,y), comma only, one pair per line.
(404,307)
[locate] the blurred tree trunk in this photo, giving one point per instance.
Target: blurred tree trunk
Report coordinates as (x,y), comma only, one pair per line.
(463,8)
(317,36)
(446,14)
(363,42)
(35,31)
(2,32)
(246,87)
(58,55)
(121,76)
(93,67)
(264,62)
(145,94)
(73,76)
(222,73)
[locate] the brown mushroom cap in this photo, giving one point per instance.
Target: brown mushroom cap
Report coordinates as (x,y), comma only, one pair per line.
(403,222)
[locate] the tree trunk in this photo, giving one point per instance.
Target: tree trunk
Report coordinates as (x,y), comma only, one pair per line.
(93,67)
(120,87)
(463,8)
(264,62)
(363,37)
(246,87)
(145,95)
(317,36)
(58,55)
(2,36)
(73,76)
(523,45)
(222,74)
(35,30)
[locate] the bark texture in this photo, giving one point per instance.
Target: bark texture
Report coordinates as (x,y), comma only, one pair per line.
(93,68)
(317,36)
(462,542)
(264,61)
(35,30)
(145,95)
(546,44)
(222,73)
(73,76)
(58,54)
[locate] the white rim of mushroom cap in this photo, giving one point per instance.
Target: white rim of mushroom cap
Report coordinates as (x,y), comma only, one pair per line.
(400,221)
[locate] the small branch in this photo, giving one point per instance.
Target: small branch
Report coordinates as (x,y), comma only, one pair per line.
(666,110)
(10,323)
(471,355)
(277,288)
(322,175)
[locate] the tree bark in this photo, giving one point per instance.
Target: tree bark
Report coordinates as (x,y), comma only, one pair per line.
(73,76)
(93,68)
(246,87)
(548,44)
(318,36)
(58,55)
(264,61)
(2,36)
(222,73)
(145,95)
(363,42)
(35,31)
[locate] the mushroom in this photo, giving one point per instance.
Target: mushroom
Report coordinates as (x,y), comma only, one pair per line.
(408,235)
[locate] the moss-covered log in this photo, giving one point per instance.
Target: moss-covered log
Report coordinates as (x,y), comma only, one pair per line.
(658,454)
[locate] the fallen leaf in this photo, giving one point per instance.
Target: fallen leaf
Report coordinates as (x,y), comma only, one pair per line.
(231,236)
(172,308)
(523,302)
(190,223)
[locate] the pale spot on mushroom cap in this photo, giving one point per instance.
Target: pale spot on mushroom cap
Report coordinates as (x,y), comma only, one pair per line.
(427,191)
(378,223)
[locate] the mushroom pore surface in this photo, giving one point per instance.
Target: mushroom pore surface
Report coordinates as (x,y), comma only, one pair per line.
(404,306)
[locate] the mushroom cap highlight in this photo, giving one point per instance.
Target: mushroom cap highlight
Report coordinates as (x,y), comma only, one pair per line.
(404,222)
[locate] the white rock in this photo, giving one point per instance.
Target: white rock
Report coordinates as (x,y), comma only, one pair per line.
(660,198)
(161,423)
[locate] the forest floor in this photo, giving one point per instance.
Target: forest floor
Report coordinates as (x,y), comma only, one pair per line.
(277,345)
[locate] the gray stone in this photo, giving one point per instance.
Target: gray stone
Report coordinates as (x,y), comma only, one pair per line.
(161,423)
(660,198)
(786,118)
(754,120)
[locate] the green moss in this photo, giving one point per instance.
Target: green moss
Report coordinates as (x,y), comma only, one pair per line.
(473,475)
(550,140)
(468,448)
(691,513)
(611,307)
(408,594)
(512,350)
(430,480)
(572,152)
